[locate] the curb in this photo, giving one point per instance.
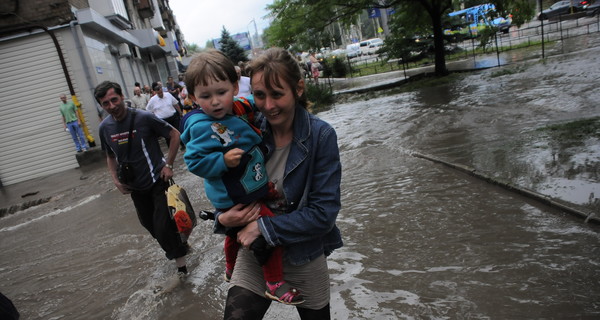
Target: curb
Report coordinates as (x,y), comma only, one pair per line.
(549,201)
(93,155)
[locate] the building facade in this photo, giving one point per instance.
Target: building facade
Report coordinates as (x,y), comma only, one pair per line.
(53,47)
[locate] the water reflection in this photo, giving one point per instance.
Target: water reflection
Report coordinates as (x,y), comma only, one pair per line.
(423,241)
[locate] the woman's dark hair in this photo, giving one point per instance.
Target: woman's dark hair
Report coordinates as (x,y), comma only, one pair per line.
(277,64)
(103,88)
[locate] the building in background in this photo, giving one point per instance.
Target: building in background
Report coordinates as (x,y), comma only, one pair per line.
(50,47)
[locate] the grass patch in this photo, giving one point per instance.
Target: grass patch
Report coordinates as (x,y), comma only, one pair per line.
(374,68)
(430,80)
(508,71)
(575,130)
(382,66)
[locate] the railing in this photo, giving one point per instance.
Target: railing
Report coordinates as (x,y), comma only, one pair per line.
(531,34)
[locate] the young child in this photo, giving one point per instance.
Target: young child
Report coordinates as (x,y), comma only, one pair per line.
(224,148)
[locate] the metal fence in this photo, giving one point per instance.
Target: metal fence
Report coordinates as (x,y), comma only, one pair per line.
(518,37)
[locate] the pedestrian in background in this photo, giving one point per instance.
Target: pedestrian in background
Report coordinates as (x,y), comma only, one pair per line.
(173,88)
(243,83)
(139,100)
(72,123)
(164,106)
(181,79)
(147,91)
(314,67)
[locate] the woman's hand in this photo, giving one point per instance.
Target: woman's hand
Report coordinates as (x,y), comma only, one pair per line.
(247,235)
(240,215)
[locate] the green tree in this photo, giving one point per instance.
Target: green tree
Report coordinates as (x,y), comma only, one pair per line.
(291,30)
(297,15)
(192,48)
(293,19)
(410,37)
(231,48)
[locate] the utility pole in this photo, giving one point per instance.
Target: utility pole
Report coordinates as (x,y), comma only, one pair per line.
(259,40)
(384,22)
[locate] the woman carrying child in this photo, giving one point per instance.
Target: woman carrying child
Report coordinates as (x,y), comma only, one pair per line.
(303,163)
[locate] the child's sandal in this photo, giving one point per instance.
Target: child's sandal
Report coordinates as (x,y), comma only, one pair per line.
(284,293)
(227,275)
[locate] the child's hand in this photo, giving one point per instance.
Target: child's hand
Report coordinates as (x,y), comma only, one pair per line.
(233,157)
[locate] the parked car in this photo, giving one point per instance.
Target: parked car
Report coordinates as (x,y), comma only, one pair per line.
(352,50)
(336,53)
(373,47)
(364,45)
(502,24)
(561,8)
(593,9)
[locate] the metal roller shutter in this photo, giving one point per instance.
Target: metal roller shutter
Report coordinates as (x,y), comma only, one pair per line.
(32,142)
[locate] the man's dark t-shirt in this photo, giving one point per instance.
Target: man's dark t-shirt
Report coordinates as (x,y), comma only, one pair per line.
(145,155)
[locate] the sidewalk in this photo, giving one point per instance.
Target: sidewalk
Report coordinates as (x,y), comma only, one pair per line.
(392,79)
(470,63)
(33,192)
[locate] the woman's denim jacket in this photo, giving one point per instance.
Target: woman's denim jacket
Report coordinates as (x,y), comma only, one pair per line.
(311,185)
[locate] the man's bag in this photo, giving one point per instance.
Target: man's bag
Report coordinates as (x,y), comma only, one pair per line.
(181,210)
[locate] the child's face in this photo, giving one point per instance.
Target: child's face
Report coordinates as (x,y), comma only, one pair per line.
(216,99)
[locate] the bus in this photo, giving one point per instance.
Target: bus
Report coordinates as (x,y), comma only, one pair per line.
(477,18)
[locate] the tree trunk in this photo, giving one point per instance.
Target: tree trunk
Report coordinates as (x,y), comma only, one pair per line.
(438,43)
(435,8)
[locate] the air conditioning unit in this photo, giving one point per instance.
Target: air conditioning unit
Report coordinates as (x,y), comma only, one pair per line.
(113,10)
(124,50)
(113,50)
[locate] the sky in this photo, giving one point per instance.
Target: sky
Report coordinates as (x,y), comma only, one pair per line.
(203,20)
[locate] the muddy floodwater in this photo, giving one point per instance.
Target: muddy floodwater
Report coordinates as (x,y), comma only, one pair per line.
(422,241)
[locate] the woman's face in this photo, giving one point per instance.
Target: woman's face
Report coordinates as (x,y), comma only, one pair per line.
(277,105)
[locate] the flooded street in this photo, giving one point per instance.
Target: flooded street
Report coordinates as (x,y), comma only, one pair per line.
(422,241)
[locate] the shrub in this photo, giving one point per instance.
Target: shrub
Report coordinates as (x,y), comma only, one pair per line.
(335,67)
(319,95)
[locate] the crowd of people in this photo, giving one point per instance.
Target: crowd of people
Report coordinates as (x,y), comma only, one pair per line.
(270,168)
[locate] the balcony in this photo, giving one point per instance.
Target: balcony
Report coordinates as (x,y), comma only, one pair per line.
(113,10)
(145,8)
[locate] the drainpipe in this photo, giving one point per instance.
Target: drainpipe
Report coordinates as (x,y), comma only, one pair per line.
(63,64)
(75,32)
(114,52)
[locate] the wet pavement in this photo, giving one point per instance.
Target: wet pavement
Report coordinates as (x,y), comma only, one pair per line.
(421,240)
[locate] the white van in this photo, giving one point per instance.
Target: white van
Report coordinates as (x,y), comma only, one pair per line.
(374,46)
(366,44)
(352,50)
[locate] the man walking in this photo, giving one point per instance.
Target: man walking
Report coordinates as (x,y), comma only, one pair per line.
(137,166)
(72,123)
(164,106)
